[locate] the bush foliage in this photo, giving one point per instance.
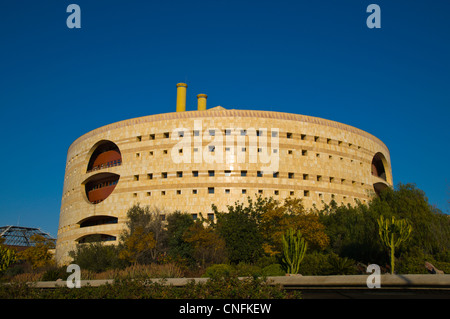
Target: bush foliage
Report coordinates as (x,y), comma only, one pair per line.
(246,240)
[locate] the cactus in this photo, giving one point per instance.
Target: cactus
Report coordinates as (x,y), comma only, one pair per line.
(393,233)
(294,249)
(7,257)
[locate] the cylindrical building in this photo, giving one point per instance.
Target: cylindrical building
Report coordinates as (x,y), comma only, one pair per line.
(188,160)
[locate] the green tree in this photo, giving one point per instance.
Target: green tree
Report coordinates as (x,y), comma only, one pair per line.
(208,246)
(7,257)
(239,229)
(178,224)
(144,237)
(38,255)
(431,227)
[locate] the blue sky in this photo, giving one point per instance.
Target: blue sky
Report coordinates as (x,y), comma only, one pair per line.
(315,58)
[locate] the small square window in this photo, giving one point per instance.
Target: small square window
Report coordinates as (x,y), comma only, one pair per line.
(136,177)
(211,148)
(243,173)
(342,181)
(150,153)
(243,132)
(260,191)
(275,174)
(305,177)
(276,192)
(243,149)
(259,149)
(194,191)
(164,175)
(316,138)
(303,137)
(194,216)
(319,178)
(288,135)
(196,133)
(210,190)
(275,150)
(227,149)
(166,135)
(227,191)
(304,152)
(317,155)
(180,134)
(211,173)
(227,131)
(134,194)
(179,174)
(274,133)
(164,151)
(211,216)
(138,138)
(163,193)
(195,173)
(149,193)
(258,133)
(227,173)
(291,193)
(152,136)
(180,151)
(331,179)
(195,149)
(290,152)
(212,132)
(244,191)
(150,176)
(328,140)
(306,193)
(259,173)
(138,155)
(178,191)
(290,175)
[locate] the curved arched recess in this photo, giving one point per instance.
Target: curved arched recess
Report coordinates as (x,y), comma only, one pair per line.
(379,187)
(97,221)
(104,154)
(95,238)
(378,166)
(99,186)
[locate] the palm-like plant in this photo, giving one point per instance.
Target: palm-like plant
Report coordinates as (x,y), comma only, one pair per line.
(393,232)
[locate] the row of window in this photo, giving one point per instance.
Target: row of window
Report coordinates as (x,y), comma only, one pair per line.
(243,173)
(106,165)
(244,132)
(212,148)
(103,184)
(213,190)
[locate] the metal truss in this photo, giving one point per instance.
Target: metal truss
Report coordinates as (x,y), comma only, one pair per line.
(20,236)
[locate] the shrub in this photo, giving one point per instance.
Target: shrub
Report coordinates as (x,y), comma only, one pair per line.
(96,257)
(55,273)
(247,270)
(218,270)
(273,270)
